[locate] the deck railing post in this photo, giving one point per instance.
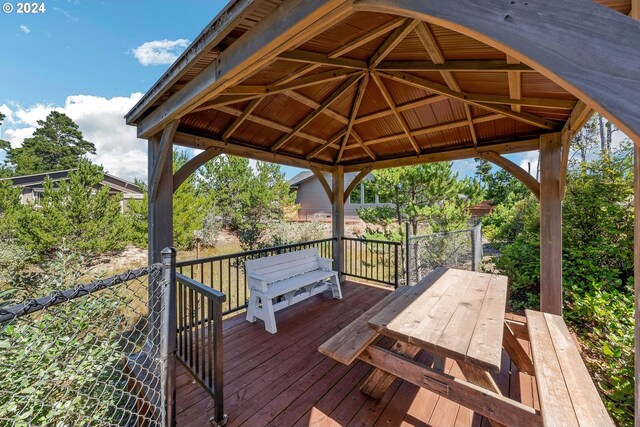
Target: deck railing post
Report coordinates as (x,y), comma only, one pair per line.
(168,335)
(407,252)
(395,263)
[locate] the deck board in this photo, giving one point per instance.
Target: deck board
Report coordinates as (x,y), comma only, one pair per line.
(282,379)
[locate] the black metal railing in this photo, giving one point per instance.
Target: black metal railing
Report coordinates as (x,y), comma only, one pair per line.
(199,343)
(374,260)
(225,273)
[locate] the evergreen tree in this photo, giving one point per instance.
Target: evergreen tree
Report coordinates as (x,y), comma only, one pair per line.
(56,144)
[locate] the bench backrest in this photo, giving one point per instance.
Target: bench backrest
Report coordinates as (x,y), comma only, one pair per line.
(282,266)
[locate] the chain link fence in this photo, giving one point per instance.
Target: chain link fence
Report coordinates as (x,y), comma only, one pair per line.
(461,249)
(88,356)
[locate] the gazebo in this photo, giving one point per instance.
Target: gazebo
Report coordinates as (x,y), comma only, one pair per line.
(341,86)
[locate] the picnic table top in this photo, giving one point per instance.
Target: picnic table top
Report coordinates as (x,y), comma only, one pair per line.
(454,313)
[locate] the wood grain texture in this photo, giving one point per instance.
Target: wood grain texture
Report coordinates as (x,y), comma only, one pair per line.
(520,174)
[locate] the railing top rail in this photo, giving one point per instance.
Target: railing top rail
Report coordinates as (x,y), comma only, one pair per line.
(357,239)
(59,297)
(200,288)
(252,252)
(444,233)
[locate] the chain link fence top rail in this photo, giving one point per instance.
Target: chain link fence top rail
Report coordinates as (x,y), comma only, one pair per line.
(84,357)
(461,249)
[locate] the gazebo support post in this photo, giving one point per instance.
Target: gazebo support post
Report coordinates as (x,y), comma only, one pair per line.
(550,224)
(636,274)
(337,219)
(161,206)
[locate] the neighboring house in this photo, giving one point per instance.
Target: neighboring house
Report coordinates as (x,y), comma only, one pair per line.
(482,209)
(313,200)
(32,186)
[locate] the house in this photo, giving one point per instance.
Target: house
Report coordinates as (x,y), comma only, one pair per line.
(32,186)
(314,203)
(483,208)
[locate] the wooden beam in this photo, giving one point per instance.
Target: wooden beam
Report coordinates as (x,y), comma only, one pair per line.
(321,78)
(434,52)
(391,42)
(322,60)
(387,97)
(314,104)
(202,143)
(550,224)
(520,174)
(579,116)
(401,107)
(238,121)
(354,112)
(366,38)
(325,104)
(435,128)
(292,23)
(337,220)
(555,49)
(273,125)
(160,208)
(484,66)
(297,74)
(323,181)
(515,83)
(364,146)
(330,143)
(182,174)
(164,151)
(483,101)
(356,181)
(446,156)
(480,400)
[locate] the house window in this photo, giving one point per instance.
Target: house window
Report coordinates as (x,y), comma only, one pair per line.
(369,193)
(355,198)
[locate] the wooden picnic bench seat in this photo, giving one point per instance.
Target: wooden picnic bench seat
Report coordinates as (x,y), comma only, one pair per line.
(567,394)
(278,281)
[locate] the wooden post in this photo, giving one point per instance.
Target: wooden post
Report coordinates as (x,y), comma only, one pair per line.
(161,208)
(168,333)
(550,224)
(337,218)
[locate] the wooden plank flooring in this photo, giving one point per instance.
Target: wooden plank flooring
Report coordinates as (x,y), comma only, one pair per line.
(282,380)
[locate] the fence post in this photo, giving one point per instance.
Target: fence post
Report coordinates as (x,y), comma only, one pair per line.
(476,247)
(168,336)
(407,252)
(395,263)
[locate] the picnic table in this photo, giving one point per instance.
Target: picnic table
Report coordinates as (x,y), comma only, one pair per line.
(454,314)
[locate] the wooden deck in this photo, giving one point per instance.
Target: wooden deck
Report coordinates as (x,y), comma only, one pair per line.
(282,379)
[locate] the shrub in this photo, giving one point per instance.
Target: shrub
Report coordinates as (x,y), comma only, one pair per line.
(285,232)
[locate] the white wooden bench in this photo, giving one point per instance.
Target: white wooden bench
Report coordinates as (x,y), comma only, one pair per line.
(278,281)
(567,394)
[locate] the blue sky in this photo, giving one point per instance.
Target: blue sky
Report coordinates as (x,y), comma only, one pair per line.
(93,60)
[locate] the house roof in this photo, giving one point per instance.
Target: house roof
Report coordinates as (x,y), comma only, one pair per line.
(300,177)
(111,181)
(380,83)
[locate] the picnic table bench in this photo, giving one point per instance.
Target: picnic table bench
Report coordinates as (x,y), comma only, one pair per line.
(460,315)
(278,281)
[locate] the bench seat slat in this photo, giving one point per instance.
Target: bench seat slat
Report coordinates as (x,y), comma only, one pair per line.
(567,394)
(287,285)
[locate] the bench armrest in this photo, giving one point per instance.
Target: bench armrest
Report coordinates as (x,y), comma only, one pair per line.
(325,263)
(258,282)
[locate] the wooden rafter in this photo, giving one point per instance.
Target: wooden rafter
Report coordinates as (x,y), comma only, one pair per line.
(322,60)
(433,50)
(515,83)
(325,104)
(366,38)
(314,104)
(241,118)
(330,143)
(360,143)
(401,107)
(460,65)
(391,42)
(431,129)
(164,152)
(579,116)
(260,91)
(387,96)
(352,116)
(272,125)
(482,101)
(522,175)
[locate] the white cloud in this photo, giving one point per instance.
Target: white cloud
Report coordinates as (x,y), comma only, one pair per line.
(25,29)
(101,121)
(6,110)
(159,52)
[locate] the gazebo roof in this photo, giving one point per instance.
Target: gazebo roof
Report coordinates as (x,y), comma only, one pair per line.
(366,86)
